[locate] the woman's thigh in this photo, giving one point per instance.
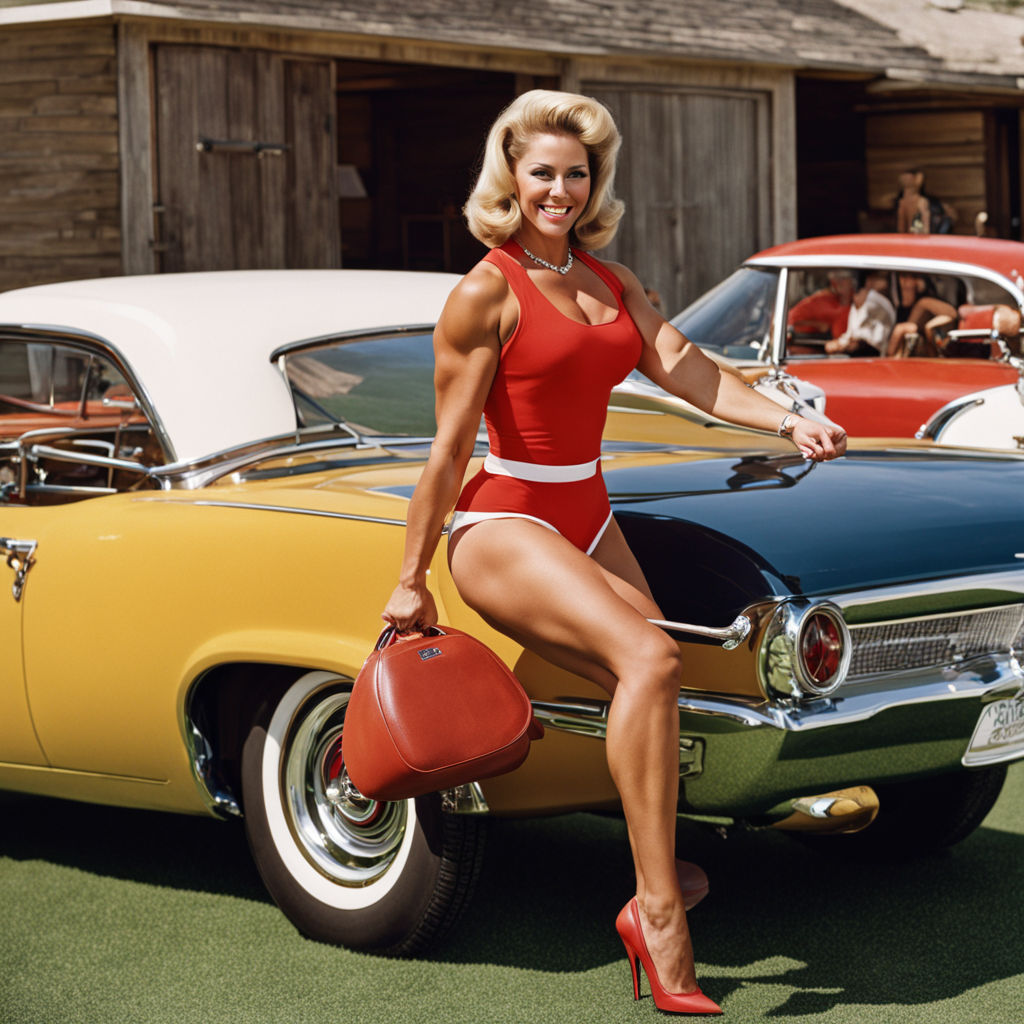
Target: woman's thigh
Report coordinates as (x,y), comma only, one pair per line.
(622,571)
(566,606)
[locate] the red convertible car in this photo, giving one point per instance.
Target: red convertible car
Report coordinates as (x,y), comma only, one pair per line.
(873,320)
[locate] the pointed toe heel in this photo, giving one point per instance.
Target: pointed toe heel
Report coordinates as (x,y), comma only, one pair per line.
(627,924)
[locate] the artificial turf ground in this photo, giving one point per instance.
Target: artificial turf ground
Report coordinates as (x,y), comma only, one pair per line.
(115,917)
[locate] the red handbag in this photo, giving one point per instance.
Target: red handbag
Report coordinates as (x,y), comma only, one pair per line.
(433,710)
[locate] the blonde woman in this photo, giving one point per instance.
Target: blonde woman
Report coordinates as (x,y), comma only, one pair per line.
(534,337)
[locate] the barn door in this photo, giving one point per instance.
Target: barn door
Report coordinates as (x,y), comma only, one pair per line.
(695,173)
(245,160)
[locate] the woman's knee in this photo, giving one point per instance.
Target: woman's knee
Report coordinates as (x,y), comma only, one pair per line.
(656,664)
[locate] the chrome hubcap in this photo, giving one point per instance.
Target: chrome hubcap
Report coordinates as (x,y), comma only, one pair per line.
(347,837)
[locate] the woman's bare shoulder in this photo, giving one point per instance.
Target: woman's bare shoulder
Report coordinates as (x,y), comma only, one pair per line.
(626,276)
(474,307)
(483,285)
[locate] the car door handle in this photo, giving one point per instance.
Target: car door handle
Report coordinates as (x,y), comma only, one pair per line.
(21,558)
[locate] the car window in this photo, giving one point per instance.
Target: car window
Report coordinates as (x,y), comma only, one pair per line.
(820,320)
(379,386)
(54,377)
(735,317)
(70,425)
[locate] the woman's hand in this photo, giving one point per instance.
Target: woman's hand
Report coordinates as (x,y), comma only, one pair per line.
(410,608)
(818,441)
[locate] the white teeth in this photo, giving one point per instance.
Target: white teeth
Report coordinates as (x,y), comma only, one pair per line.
(555,210)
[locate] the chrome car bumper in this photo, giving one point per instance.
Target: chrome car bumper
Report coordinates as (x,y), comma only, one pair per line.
(741,757)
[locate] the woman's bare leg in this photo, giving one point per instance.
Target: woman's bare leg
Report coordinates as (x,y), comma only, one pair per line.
(579,614)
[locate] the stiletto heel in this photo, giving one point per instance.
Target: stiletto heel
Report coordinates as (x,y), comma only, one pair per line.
(627,924)
(634,966)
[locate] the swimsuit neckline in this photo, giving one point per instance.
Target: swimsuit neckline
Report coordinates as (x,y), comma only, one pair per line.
(565,316)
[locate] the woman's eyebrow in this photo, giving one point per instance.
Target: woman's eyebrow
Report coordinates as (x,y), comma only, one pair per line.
(540,165)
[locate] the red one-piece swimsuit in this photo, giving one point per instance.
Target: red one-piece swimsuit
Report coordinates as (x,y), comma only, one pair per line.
(546,411)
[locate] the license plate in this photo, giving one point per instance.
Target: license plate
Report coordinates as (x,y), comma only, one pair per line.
(999,734)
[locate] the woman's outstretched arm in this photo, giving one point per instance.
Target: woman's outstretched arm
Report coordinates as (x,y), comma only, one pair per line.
(674,363)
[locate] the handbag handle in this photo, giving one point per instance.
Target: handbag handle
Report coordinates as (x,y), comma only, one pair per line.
(390,635)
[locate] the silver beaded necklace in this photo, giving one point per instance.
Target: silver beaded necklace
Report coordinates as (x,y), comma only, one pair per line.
(563,270)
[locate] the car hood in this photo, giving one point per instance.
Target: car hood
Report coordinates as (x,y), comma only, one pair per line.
(715,531)
(869,519)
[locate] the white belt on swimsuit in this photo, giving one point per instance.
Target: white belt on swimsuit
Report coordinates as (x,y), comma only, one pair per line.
(538,473)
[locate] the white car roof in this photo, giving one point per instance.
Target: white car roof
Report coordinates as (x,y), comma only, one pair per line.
(200,343)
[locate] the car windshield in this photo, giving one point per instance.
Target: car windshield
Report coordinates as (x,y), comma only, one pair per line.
(735,317)
(382,386)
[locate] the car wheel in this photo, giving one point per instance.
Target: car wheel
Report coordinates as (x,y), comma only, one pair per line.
(386,876)
(921,816)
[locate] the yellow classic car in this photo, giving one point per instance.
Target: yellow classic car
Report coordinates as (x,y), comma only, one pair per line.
(203,488)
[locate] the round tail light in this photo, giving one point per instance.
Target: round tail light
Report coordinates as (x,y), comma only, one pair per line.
(823,650)
(805,650)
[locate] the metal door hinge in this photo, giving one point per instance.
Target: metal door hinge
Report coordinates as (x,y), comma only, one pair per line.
(20,557)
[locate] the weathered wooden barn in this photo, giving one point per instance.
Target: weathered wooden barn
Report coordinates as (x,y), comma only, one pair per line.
(174,135)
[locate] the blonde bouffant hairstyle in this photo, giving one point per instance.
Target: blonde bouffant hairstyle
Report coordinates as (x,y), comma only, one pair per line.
(492,210)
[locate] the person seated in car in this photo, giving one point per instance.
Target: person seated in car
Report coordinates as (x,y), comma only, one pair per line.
(871,318)
(917,305)
(823,313)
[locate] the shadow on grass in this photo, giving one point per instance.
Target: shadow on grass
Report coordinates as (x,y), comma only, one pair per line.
(778,913)
(179,851)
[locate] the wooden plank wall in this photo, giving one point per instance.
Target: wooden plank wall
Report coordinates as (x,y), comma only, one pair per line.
(949,146)
(59,201)
(695,174)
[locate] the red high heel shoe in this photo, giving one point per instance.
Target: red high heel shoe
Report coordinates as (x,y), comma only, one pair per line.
(627,924)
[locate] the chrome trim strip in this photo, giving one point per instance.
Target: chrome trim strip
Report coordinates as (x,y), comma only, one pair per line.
(839,710)
(779,325)
(103,461)
(942,418)
(80,489)
(867,262)
(360,334)
(295,511)
(199,473)
(581,718)
(1009,580)
(590,718)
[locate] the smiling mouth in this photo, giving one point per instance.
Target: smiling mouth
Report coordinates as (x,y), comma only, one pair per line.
(555,211)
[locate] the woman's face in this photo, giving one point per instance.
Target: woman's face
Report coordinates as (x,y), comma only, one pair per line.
(552,185)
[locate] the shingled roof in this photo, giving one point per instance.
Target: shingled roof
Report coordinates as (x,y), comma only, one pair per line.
(791,32)
(963,39)
(911,38)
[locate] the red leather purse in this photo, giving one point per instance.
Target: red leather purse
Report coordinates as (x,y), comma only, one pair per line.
(433,710)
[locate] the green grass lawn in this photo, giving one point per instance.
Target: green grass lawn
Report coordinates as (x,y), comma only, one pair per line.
(119,916)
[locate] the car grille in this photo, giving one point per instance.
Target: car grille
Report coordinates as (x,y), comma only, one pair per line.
(906,644)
